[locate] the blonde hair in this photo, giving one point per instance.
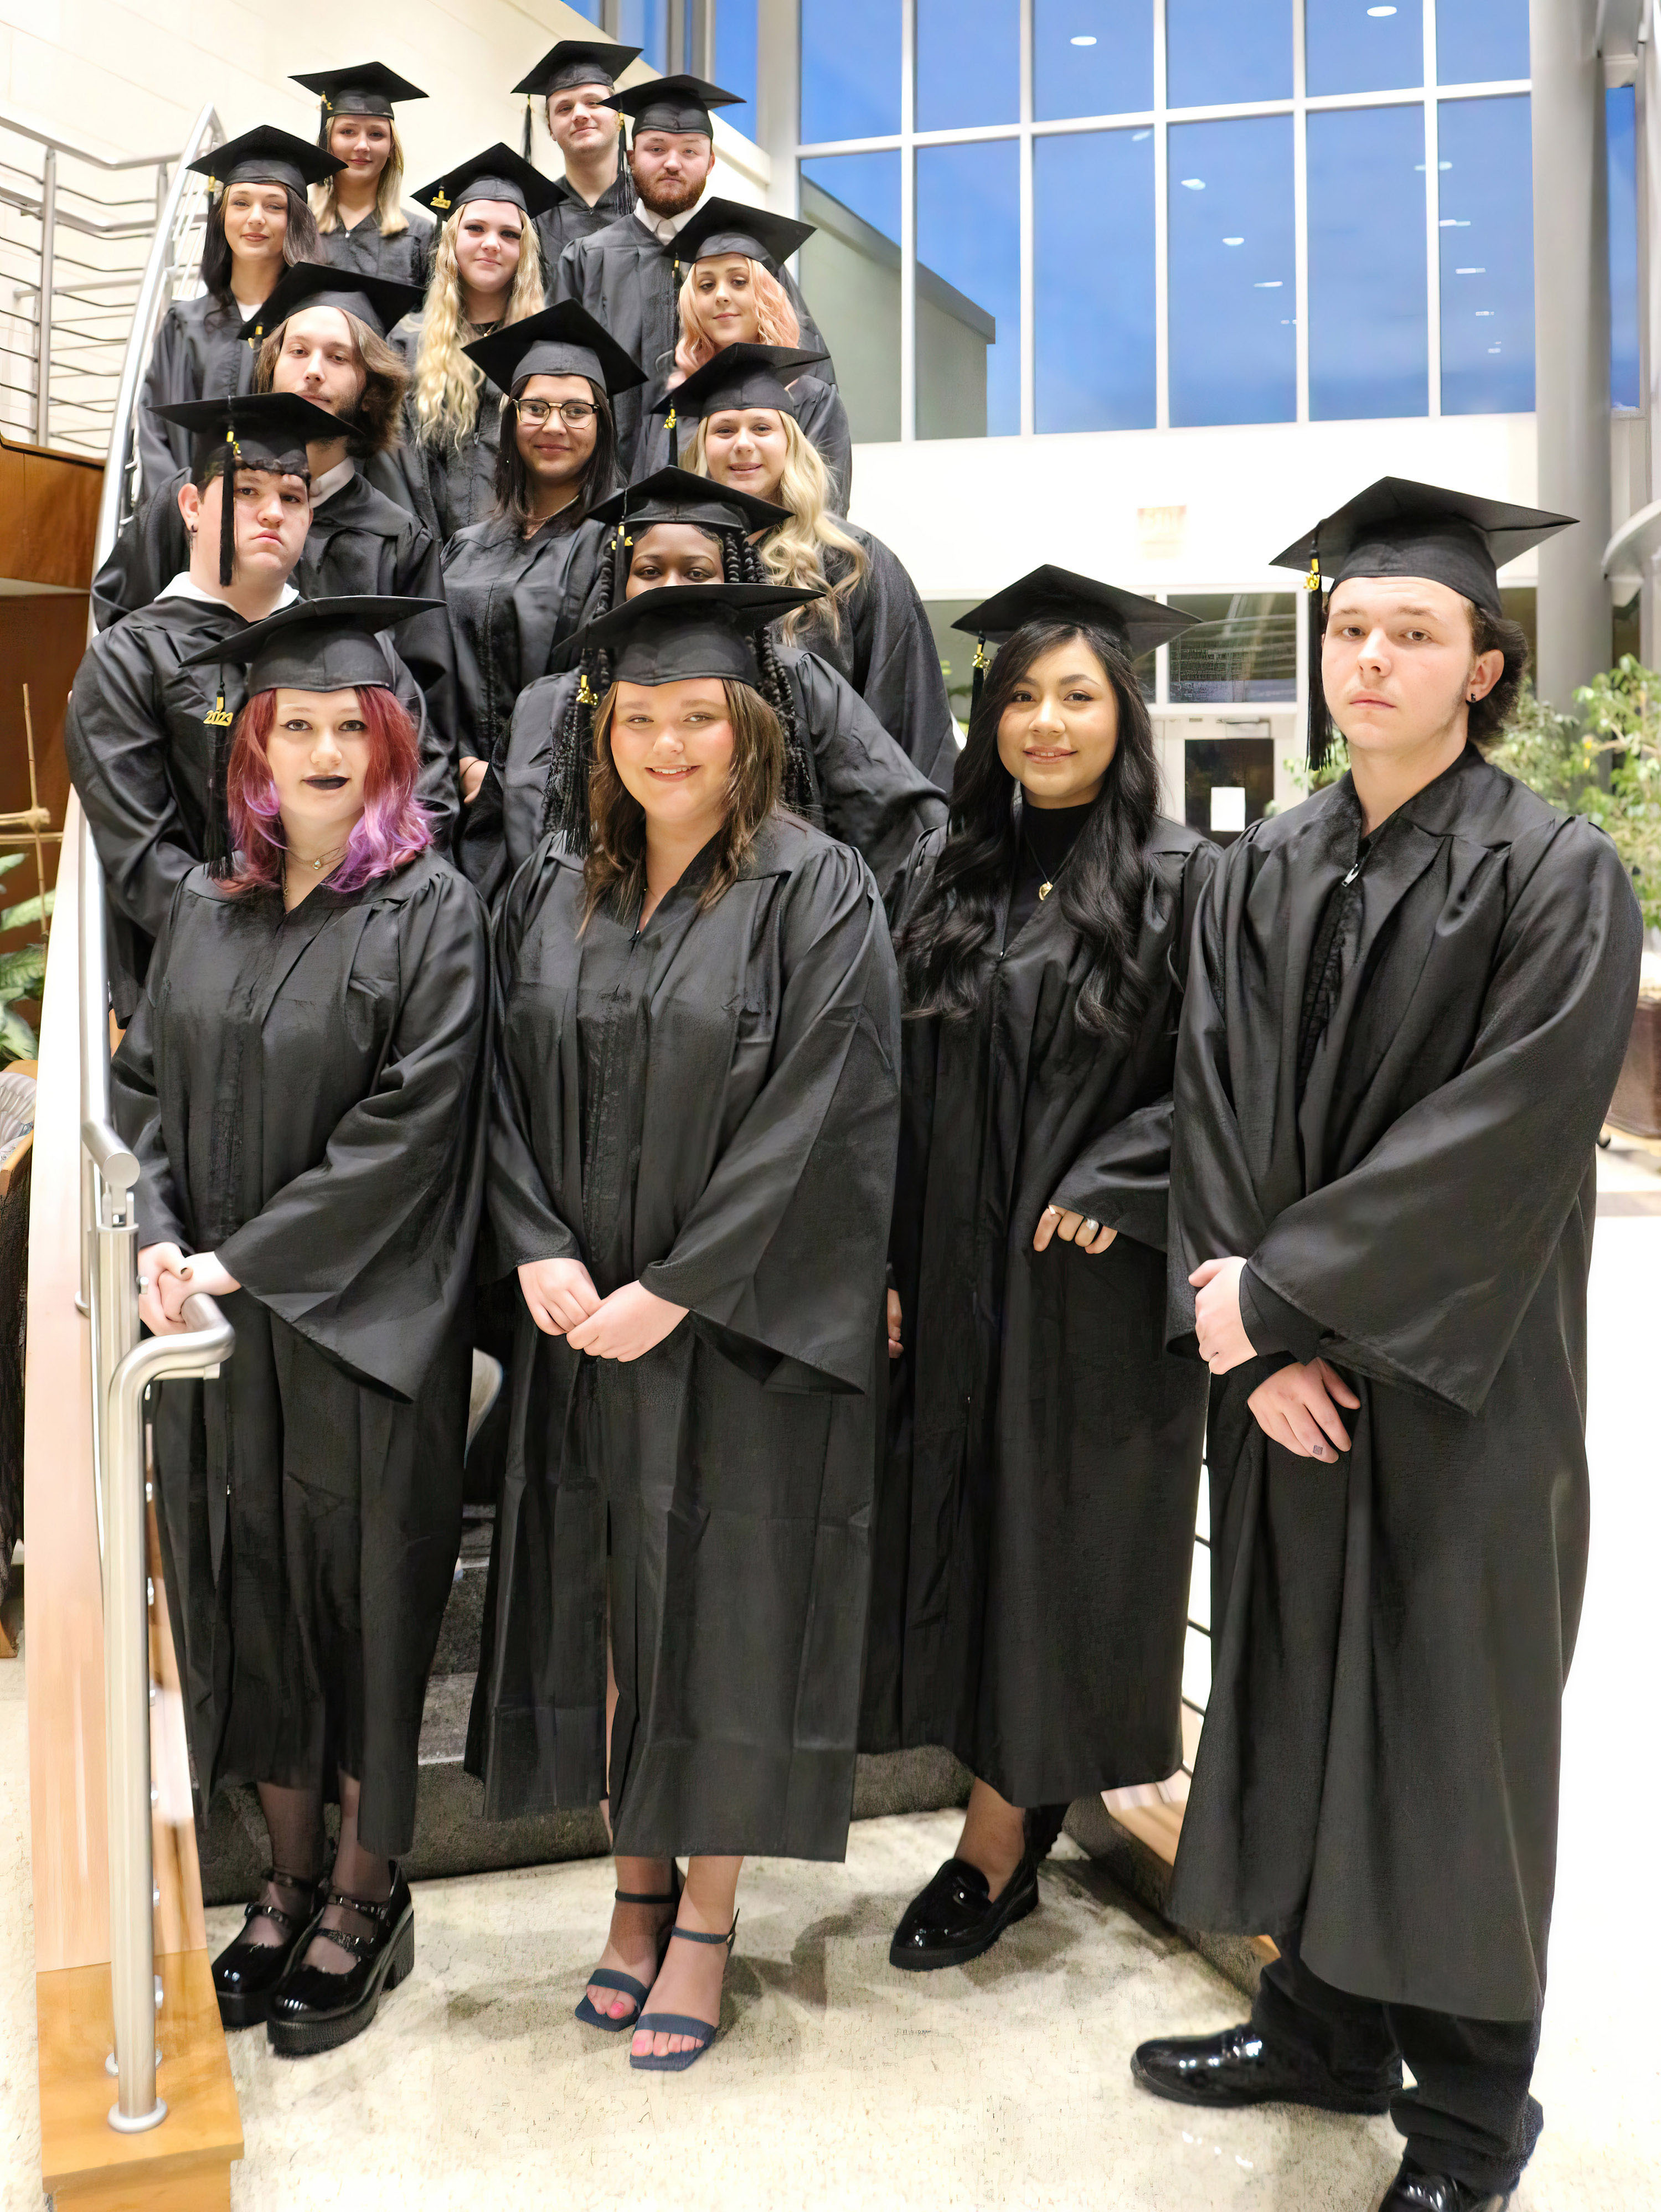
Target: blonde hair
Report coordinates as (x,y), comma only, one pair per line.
(794,552)
(445,384)
(776,318)
(390,218)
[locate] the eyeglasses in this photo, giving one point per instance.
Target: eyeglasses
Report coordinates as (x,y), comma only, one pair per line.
(573,413)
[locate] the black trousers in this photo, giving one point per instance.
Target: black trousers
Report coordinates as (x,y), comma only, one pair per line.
(1469,2115)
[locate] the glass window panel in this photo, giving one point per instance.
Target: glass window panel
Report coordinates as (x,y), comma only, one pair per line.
(1488,256)
(1092,275)
(1092,58)
(969,64)
(735,54)
(1482,41)
(1234,280)
(850,70)
(851,270)
(1364,45)
(1623,248)
(969,290)
(1243,648)
(1221,50)
(589,8)
(1369,340)
(645,24)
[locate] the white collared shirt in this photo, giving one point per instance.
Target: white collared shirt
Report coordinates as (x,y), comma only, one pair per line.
(333,480)
(664,227)
(183,587)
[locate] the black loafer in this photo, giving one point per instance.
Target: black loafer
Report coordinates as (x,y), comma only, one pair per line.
(1416,2190)
(957,1917)
(245,1974)
(1239,2067)
(314,2010)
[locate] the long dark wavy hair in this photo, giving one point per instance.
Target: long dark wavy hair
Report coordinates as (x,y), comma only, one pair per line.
(945,948)
(513,484)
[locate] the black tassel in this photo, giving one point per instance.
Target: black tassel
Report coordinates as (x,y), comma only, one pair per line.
(217,849)
(1318,735)
(228,513)
(527,147)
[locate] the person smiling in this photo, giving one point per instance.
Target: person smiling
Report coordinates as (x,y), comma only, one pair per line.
(308,1053)
(692,1147)
(574,80)
(1412,998)
(257,223)
(1035,1519)
(362,225)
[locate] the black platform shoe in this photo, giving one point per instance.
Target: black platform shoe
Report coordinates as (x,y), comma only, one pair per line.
(1416,2190)
(957,1917)
(1239,2067)
(313,2009)
(245,1974)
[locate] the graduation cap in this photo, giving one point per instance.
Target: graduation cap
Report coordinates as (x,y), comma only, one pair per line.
(1135,624)
(497,173)
(738,376)
(685,630)
(377,301)
(261,430)
(572,62)
(1399,528)
(673,103)
(365,89)
(672,495)
(564,340)
(728,227)
(268,156)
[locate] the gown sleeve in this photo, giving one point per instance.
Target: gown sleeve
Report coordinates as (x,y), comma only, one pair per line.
(1420,1263)
(117,751)
(145,559)
(875,799)
(365,1254)
(522,1223)
(782,1254)
(163,448)
(899,675)
(427,644)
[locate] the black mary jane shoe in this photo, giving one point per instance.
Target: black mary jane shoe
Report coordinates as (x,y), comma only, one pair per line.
(1239,2067)
(1414,2190)
(313,2009)
(245,1974)
(957,1917)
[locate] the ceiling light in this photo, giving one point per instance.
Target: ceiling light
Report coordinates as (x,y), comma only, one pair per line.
(1193,184)
(1266,284)
(1084,39)
(1234,241)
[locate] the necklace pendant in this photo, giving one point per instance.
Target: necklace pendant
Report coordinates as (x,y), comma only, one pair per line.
(1045,889)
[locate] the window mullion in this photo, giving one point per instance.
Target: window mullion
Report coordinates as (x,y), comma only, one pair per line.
(1300,205)
(1161,243)
(1029,333)
(1432,219)
(907,220)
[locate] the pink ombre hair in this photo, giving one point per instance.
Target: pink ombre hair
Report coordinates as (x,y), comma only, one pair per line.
(776,318)
(392,828)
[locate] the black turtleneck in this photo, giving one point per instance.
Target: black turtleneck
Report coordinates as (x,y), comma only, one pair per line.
(1047,836)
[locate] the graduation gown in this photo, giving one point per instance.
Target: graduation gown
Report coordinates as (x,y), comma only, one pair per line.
(708,1107)
(631,285)
(1035,1526)
(458,482)
(571,217)
(359,541)
(314,1089)
(196,355)
(140,751)
(512,600)
(870,795)
(1391,1634)
(819,411)
(405,259)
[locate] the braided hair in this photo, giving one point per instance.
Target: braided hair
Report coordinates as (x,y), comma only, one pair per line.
(741,564)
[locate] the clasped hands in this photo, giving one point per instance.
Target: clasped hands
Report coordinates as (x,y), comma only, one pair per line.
(563,1302)
(1297,1407)
(167,1279)
(1074,1228)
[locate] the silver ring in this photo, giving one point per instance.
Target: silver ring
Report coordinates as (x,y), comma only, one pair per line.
(1093,1230)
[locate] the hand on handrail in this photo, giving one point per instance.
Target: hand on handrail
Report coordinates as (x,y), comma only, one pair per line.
(167,1279)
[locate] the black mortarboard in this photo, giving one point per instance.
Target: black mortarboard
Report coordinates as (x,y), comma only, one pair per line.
(672,495)
(1399,528)
(268,156)
(377,300)
(1049,593)
(573,62)
(497,173)
(366,89)
(564,340)
(738,376)
(686,630)
(319,645)
(673,103)
(262,431)
(729,227)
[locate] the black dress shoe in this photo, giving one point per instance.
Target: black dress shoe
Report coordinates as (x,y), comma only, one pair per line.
(246,1974)
(313,2009)
(957,1917)
(1239,2067)
(1416,2190)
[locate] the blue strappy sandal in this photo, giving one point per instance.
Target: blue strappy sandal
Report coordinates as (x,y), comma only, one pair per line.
(679,2023)
(611,1978)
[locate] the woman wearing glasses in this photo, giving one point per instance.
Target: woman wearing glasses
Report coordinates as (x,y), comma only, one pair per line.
(518,583)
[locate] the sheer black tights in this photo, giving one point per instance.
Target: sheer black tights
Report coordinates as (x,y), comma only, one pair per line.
(293,1819)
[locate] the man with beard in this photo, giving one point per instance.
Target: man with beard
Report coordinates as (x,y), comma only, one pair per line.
(576,79)
(629,275)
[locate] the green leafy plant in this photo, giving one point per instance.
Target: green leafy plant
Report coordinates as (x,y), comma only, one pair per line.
(22,971)
(1621,710)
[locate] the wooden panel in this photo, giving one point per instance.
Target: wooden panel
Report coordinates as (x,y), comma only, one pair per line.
(41,642)
(184,2162)
(48,515)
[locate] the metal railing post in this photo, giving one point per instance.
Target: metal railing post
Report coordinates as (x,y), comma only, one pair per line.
(43,327)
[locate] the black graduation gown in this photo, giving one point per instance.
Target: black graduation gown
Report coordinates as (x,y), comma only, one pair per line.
(571,217)
(512,600)
(404,259)
(631,285)
(196,355)
(871,796)
(458,482)
(359,541)
(140,750)
(313,1086)
(883,645)
(819,411)
(1035,1527)
(1391,1635)
(708,1107)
